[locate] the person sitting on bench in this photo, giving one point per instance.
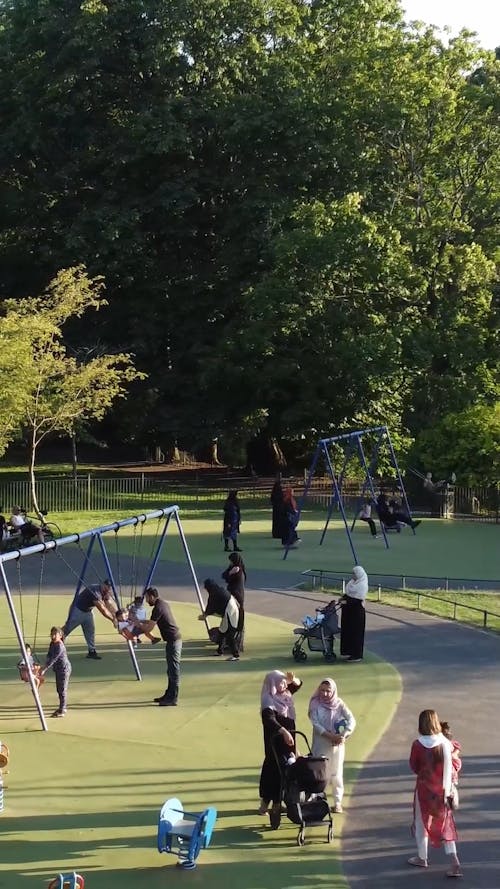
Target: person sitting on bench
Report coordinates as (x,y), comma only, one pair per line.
(27,529)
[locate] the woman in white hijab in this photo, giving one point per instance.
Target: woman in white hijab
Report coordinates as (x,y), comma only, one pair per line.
(430,760)
(352,631)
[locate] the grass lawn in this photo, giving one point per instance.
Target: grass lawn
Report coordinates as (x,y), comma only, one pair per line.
(86,795)
(440,548)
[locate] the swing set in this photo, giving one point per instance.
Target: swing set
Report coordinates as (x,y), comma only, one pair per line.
(29,666)
(351,446)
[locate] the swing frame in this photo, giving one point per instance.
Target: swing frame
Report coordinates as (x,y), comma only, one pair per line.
(354,447)
(96,536)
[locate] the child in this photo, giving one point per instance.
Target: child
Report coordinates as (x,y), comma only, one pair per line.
(57,658)
(33,665)
(137,611)
(456,763)
(126,618)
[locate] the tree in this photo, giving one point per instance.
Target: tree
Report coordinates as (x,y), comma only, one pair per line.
(467,443)
(60,392)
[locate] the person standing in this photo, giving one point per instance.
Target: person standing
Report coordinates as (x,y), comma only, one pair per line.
(57,658)
(431,761)
(290,518)
(162,617)
(332,723)
(80,613)
(231,522)
(278,721)
(352,626)
(235,576)
(278,508)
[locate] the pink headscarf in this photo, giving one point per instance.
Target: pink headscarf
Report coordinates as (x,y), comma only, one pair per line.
(334,704)
(281,701)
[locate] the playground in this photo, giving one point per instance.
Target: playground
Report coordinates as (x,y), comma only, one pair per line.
(86,795)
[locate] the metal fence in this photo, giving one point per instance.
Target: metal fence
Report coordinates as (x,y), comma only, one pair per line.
(384,589)
(320,578)
(98,493)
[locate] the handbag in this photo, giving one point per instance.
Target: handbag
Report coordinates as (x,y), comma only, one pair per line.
(453,799)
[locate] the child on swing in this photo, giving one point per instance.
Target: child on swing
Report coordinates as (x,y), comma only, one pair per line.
(33,665)
(126,619)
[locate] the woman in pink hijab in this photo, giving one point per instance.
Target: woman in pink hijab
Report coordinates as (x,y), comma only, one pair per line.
(332,723)
(278,720)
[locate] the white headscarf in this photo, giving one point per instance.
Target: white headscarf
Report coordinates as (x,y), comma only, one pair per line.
(430,741)
(357,588)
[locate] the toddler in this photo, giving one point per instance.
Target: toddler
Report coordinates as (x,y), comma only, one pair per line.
(456,762)
(126,619)
(34,666)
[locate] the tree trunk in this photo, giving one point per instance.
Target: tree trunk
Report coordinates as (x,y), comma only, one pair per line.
(74,458)
(34,499)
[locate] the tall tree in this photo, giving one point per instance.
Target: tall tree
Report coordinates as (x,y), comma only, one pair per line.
(61,392)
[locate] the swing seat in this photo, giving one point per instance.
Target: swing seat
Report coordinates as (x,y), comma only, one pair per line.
(184,834)
(24,673)
(4,755)
(67,881)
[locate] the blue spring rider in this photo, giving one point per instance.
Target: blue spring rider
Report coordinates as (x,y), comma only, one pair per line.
(67,881)
(184,834)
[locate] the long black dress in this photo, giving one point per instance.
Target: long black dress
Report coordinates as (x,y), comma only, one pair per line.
(270,777)
(278,511)
(352,628)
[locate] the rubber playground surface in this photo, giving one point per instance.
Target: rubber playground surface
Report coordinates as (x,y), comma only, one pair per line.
(86,795)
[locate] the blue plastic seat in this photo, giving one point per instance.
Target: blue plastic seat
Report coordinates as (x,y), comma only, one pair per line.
(184,834)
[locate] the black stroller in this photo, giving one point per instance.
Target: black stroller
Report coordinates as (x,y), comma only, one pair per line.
(319,633)
(303,784)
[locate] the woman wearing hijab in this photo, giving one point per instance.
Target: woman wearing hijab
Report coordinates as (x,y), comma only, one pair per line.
(231,522)
(332,723)
(278,721)
(290,518)
(352,627)
(222,603)
(278,508)
(235,576)
(431,760)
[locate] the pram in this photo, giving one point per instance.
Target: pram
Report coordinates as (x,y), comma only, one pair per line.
(318,632)
(303,784)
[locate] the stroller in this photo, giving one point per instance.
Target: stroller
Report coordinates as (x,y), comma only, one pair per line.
(303,785)
(318,632)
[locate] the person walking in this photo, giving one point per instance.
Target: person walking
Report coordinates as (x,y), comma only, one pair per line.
(431,761)
(332,723)
(80,613)
(353,623)
(162,617)
(231,522)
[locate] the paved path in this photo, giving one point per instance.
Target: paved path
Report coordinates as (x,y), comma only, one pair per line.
(443,665)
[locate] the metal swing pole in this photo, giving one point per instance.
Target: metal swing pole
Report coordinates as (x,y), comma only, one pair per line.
(107,563)
(335,495)
(191,566)
(302,498)
(368,478)
(400,480)
(22,646)
(341,505)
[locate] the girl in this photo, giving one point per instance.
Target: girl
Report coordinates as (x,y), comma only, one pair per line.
(430,759)
(57,658)
(332,723)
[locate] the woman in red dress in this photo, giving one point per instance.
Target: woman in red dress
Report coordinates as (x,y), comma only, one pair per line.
(430,759)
